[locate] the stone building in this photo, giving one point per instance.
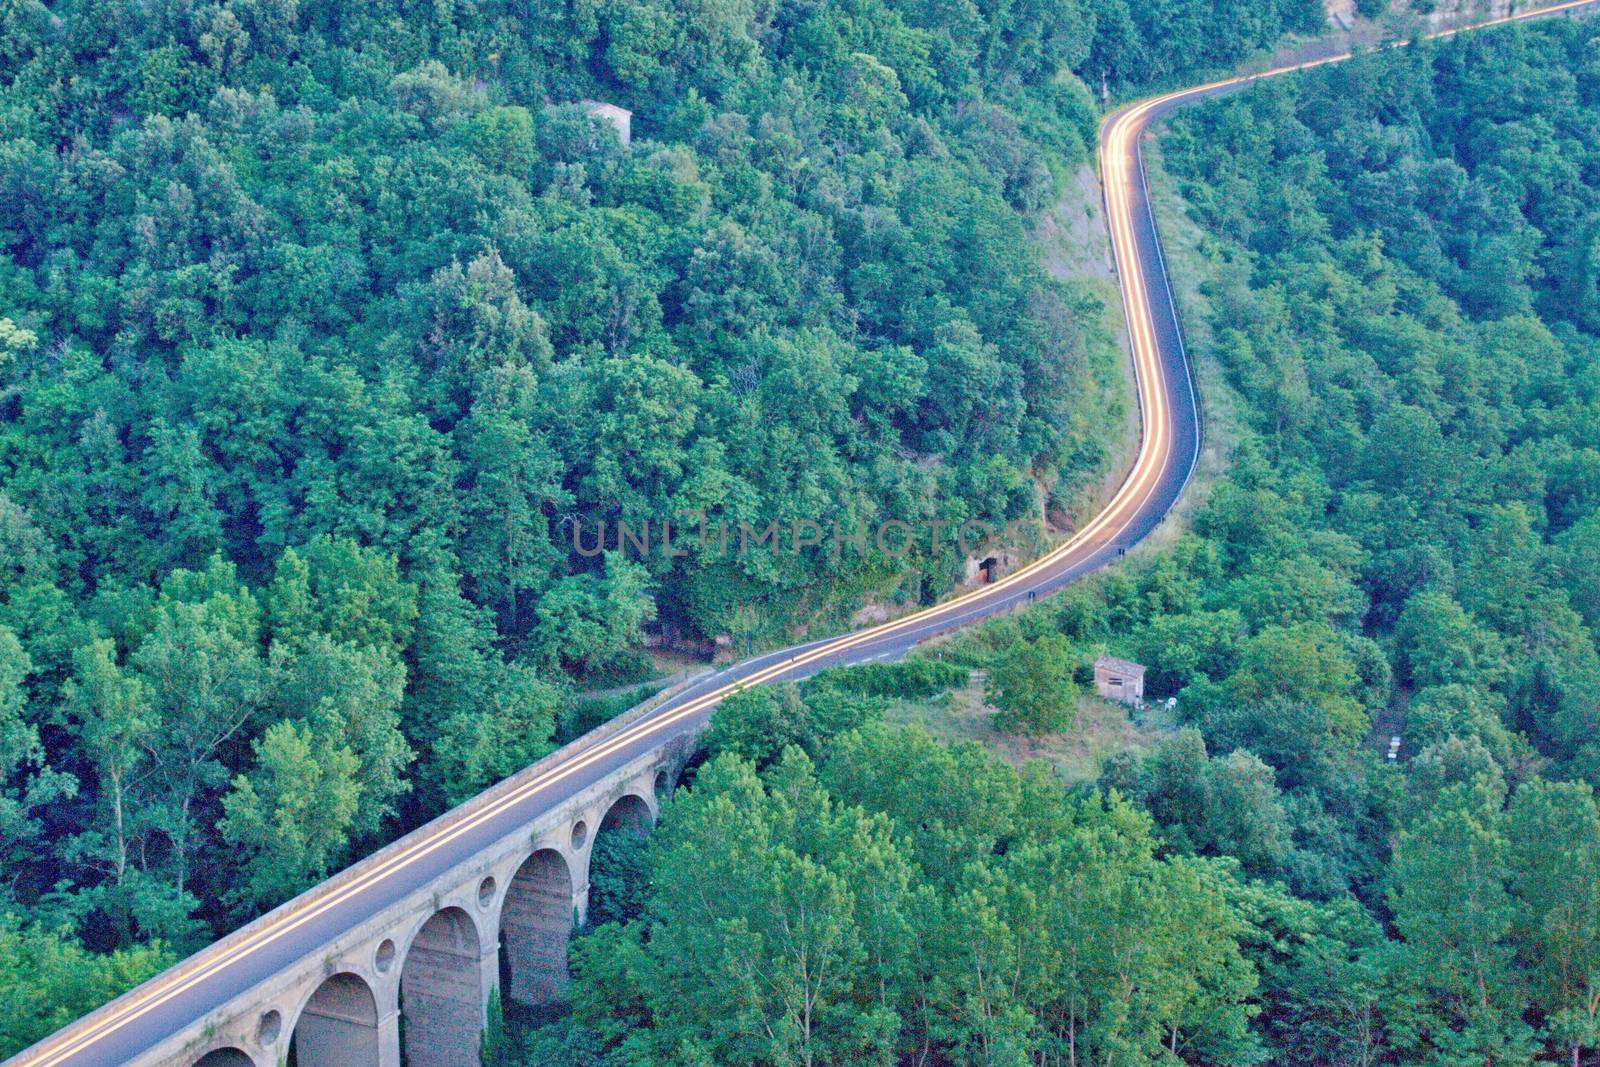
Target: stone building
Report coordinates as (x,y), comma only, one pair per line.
(619,117)
(1119,679)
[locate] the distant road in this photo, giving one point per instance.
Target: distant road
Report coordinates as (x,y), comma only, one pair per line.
(1168,450)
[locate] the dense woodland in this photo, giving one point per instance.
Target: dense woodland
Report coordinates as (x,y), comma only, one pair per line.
(1400,262)
(323,325)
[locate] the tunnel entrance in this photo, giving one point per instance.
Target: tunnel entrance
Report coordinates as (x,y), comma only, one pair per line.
(338,1027)
(616,863)
(535,922)
(441,993)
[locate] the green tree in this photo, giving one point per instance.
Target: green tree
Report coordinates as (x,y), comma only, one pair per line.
(1579,559)
(506,550)
(333,586)
(353,693)
(292,814)
(586,622)
(758,724)
(118,729)
(511,729)
(1456,918)
(1440,644)
(782,967)
(1305,662)
(202,667)
(1033,685)
(27,784)
(1553,858)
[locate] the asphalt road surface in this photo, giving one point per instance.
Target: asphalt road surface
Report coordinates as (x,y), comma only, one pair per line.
(1169,448)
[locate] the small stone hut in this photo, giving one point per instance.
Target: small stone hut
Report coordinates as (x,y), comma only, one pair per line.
(1119,679)
(620,117)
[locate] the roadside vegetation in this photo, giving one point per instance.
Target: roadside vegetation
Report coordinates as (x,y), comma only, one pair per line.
(1402,292)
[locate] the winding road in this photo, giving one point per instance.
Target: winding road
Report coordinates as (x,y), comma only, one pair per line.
(1168,451)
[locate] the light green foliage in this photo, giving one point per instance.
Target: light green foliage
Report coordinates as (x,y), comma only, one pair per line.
(919,677)
(1306,663)
(1441,645)
(351,692)
(758,724)
(336,588)
(1455,914)
(47,979)
(805,915)
(292,813)
(112,709)
(1553,857)
(202,665)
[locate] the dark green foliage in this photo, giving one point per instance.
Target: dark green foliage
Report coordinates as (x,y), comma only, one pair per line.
(618,876)
(326,337)
(585,713)
(1403,540)
(384,291)
(324,328)
(915,679)
(1034,686)
(1219,805)
(1441,431)
(758,724)
(1396,297)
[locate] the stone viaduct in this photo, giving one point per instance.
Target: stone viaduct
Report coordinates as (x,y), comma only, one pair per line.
(416,979)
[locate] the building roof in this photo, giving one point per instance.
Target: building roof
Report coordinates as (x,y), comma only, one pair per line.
(600,107)
(621,118)
(1121,666)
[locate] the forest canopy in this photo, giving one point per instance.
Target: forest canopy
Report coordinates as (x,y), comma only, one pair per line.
(324,325)
(1392,264)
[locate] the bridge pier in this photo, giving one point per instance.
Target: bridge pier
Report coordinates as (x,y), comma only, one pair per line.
(389,1037)
(443,992)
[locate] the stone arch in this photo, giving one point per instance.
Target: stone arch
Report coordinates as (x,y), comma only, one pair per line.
(337,1026)
(225,1057)
(441,992)
(629,811)
(535,921)
(688,768)
(615,871)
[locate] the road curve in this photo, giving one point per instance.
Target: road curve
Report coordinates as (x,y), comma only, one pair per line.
(1169,448)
